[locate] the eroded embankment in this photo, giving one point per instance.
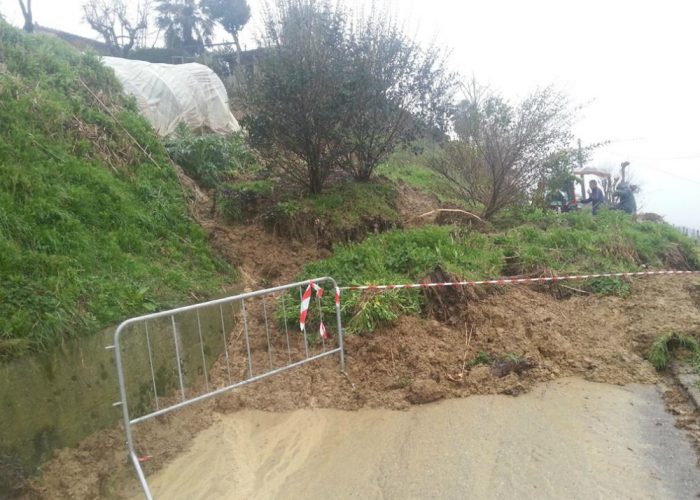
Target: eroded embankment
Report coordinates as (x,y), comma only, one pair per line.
(415,361)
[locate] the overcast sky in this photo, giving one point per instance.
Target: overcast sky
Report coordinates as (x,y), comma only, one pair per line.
(634,64)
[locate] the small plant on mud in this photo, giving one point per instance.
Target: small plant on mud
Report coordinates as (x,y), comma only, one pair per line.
(609,286)
(483,358)
(512,357)
(660,352)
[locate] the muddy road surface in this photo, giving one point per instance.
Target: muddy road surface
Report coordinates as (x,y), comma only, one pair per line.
(567,438)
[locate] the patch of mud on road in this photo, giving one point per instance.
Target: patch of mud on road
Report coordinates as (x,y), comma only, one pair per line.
(565,439)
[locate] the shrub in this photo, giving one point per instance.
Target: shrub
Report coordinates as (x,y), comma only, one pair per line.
(210,158)
(337,90)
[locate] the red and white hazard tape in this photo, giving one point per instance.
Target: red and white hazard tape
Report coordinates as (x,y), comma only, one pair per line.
(515,281)
(304,311)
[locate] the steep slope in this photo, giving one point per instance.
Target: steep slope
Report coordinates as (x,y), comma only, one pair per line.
(93,222)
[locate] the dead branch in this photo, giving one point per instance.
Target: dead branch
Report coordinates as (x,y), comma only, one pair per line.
(451,210)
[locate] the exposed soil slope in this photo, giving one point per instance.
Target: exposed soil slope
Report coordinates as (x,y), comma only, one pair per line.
(529,335)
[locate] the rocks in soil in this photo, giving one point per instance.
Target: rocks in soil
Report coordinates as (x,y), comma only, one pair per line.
(503,367)
(425,391)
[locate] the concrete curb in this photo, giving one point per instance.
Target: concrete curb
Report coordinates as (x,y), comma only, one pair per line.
(686,377)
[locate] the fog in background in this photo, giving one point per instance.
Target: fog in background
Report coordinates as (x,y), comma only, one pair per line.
(633,65)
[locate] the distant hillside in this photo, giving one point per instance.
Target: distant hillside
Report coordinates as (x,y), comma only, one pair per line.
(92,227)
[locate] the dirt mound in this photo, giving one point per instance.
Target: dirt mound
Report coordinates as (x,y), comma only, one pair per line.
(412,203)
(522,336)
(506,343)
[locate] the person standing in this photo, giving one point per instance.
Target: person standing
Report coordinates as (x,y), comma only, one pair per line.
(595,196)
(625,198)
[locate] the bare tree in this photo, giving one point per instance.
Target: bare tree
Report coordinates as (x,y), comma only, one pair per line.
(111,19)
(27,13)
(503,149)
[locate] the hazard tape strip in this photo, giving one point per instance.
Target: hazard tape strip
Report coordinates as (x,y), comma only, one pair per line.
(515,281)
(304,309)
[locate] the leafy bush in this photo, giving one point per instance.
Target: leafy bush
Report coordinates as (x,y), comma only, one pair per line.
(91,229)
(210,158)
(335,89)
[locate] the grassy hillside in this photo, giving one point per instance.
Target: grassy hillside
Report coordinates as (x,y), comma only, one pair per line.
(92,229)
(537,243)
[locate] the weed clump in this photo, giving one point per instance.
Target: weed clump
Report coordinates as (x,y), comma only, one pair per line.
(347,212)
(660,352)
(210,159)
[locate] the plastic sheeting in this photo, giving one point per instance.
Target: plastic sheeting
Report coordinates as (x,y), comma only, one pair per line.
(170,94)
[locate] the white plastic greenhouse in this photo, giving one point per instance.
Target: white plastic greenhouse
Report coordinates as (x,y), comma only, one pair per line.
(170,94)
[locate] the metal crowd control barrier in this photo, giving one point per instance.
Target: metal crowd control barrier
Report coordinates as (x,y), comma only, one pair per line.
(260,340)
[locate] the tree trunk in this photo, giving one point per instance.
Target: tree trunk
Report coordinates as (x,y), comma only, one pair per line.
(315,179)
(27,13)
(238,48)
(363,175)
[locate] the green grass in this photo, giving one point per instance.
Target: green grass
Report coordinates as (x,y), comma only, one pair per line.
(482,358)
(91,229)
(345,212)
(210,159)
(660,352)
(542,243)
(410,169)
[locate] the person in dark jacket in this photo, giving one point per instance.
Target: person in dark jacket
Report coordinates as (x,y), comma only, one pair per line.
(625,198)
(595,196)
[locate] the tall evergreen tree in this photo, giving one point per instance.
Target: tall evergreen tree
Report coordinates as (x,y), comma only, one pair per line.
(185,25)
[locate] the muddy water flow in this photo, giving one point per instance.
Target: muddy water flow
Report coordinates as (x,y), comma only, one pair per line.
(53,400)
(566,439)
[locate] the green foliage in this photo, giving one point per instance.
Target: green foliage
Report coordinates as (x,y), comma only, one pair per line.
(660,352)
(185,26)
(233,15)
(542,242)
(334,90)
(210,158)
(482,358)
(91,229)
(503,149)
(609,286)
(401,257)
(242,200)
(578,242)
(347,212)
